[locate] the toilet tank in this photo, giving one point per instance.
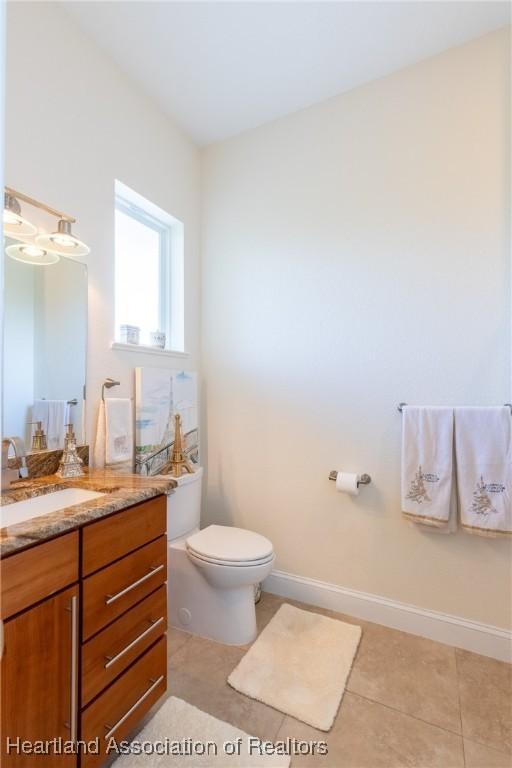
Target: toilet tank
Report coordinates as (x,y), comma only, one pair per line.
(184,505)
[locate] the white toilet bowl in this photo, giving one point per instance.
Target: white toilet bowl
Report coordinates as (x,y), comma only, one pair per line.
(212,572)
(232,576)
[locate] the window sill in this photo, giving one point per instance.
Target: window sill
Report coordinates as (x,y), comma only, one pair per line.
(118,346)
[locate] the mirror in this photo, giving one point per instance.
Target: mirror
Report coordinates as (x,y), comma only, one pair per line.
(45,347)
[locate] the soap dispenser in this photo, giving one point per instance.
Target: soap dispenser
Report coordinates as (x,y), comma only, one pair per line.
(70,464)
(39,440)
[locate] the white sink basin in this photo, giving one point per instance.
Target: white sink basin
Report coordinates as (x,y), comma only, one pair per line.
(42,505)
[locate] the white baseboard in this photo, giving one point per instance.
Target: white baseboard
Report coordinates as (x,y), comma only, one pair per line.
(452,630)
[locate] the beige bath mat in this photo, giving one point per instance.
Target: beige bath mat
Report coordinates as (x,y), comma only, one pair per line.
(299,665)
(181,728)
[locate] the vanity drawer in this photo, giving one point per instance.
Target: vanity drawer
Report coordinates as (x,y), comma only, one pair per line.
(105,656)
(115,536)
(116,712)
(110,592)
(37,573)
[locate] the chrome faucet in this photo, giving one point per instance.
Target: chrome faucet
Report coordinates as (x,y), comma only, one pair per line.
(9,475)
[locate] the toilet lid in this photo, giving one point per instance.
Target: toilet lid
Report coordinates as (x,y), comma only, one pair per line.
(227,544)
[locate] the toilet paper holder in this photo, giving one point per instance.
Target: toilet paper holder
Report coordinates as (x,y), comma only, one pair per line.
(363,480)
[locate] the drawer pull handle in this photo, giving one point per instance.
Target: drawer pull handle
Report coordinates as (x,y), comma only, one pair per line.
(74,668)
(112,659)
(113,728)
(72,723)
(109,599)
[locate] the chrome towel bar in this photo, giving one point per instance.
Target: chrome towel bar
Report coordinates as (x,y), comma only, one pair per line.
(401,406)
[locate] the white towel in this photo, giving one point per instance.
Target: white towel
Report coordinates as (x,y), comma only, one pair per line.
(450,527)
(99,443)
(483,447)
(53,415)
(114,435)
(427,466)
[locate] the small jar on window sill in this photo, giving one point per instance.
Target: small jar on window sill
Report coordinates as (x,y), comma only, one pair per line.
(129,334)
(157,339)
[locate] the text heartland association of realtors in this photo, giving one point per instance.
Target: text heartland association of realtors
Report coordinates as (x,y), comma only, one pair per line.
(249,745)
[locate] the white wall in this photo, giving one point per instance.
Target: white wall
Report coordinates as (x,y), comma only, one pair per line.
(74,124)
(357,254)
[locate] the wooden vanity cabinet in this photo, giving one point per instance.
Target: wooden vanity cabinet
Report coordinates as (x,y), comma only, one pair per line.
(124,608)
(37,573)
(38,693)
(115,589)
(117,710)
(113,650)
(39,668)
(109,539)
(85,621)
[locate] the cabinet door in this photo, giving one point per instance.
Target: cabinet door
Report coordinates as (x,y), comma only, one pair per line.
(39,680)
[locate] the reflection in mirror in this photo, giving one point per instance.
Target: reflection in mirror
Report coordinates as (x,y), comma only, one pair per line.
(45,341)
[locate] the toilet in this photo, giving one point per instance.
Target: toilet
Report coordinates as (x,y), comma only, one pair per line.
(212,572)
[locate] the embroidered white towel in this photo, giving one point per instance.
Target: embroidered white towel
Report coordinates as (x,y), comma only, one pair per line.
(483,447)
(54,415)
(427,465)
(114,435)
(451,525)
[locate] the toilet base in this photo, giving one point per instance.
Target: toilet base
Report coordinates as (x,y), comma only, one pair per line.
(225,615)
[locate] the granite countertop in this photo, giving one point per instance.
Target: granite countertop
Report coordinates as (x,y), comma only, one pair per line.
(121,491)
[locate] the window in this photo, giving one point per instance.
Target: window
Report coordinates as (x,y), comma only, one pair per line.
(148,270)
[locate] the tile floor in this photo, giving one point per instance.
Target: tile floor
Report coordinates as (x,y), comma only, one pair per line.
(409,701)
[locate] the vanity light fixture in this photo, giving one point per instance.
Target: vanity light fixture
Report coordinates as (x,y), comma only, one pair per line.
(32,254)
(14,223)
(63,241)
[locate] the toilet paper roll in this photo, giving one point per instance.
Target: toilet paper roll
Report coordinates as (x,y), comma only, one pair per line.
(346,482)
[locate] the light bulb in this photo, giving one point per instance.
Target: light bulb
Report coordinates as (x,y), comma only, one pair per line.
(63,241)
(11,218)
(31,254)
(14,224)
(32,250)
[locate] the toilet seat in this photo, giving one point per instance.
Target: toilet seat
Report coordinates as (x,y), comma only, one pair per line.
(225,545)
(232,563)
